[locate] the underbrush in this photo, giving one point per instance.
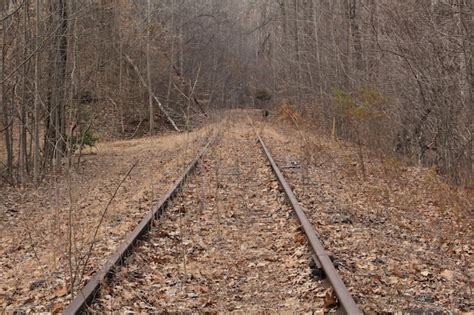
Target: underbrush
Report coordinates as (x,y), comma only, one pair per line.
(360,151)
(364,117)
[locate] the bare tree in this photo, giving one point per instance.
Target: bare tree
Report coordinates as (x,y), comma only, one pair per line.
(36,133)
(148,68)
(396,76)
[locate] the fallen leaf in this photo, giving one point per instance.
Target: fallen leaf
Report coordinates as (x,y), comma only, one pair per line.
(393,280)
(447,274)
(330,299)
(57,308)
(127,296)
(300,238)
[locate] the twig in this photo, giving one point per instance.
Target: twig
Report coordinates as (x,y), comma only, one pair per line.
(142,81)
(137,128)
(6,179)
(8,126)
(70,236)
(102,220)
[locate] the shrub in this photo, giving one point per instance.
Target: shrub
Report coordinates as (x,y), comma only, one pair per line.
(87,138)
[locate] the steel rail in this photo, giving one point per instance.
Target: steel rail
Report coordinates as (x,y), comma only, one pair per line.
(87,294)
(345,299)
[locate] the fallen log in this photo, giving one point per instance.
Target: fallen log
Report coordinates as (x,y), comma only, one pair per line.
(145,85)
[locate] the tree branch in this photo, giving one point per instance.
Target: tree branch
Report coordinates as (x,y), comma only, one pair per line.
(145,85)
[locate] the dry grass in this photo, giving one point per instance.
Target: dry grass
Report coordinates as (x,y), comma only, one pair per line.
(36,226)
(405,217)
(395,210)
(288,114)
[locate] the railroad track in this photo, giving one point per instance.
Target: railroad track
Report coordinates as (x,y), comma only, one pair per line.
(237,232)
(320,256)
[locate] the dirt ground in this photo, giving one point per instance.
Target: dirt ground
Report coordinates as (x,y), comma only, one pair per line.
(398,234)
(229,243)
(39,251)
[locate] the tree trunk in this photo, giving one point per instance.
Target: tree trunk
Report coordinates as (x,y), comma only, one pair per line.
(148,70)
(144,84)
(297,48)
(36,135)
(55,128)
(356,38)
(22,158)
(467,16)
(7,123)
(316,22)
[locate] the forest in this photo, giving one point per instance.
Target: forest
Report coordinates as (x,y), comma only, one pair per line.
(373,96)
(395,76)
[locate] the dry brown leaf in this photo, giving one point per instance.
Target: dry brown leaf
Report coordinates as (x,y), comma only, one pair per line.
(127,296)
(300,238)
(61,291)
(57,308)
(448,274)
(330,299)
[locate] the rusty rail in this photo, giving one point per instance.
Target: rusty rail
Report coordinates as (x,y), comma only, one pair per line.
(345,299)
(87,294)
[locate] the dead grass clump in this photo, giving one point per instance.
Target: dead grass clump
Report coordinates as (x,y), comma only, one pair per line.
(392,167)
(287,113)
